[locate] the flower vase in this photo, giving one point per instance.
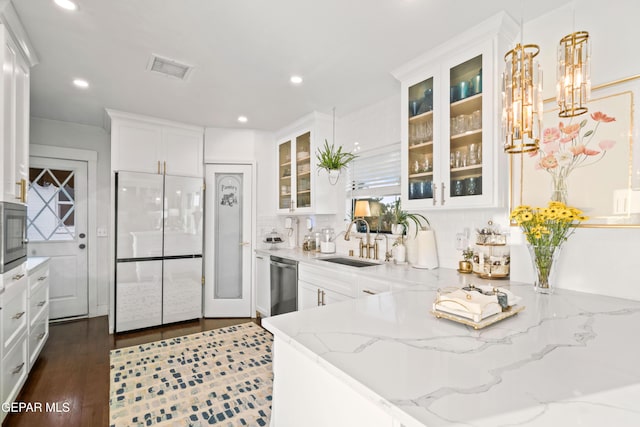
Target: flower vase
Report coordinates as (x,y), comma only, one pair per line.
(545,260)
(559,191)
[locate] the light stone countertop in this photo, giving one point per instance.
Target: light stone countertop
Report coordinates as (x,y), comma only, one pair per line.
(34,262)
(568,359)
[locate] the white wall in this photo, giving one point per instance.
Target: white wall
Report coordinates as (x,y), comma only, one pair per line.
(71,135)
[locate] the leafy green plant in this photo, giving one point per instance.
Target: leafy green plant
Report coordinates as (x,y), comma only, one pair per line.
(398,216)
(331,159)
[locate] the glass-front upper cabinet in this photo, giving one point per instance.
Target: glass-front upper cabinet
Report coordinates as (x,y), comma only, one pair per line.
(450,120)
(465,129)
(284,174)
(294,172)
(303,171)
(420,156)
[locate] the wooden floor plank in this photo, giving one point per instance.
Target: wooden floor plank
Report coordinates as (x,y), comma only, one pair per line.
(73,370)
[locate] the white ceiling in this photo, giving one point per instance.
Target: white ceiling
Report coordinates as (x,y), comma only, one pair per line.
(243,51)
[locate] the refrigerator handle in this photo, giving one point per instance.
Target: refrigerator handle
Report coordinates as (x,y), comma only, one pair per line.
(165,167)
(158,167)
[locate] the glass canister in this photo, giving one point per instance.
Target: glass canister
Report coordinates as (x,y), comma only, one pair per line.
(327,241)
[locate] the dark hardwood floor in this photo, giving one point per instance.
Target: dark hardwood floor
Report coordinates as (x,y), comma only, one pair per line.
(73,370)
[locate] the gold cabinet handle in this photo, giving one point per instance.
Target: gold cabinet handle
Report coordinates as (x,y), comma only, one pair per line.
(367,291)
(17,369)
(41,278)
(41,335)
(319,303)
(23,190)
(323,303)
(434,187)
(18,276)
(18,315)
(158,167)
(41,303)
(244,243)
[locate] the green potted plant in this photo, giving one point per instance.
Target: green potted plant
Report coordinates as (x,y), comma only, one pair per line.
(332,160)
(401,219)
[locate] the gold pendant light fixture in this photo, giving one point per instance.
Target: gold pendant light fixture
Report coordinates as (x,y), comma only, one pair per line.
(521,99)
(574,79)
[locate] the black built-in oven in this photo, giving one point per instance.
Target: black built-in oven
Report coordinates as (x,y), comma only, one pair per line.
(13,235)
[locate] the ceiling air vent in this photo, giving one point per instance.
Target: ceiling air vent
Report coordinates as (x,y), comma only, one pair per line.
(169,67)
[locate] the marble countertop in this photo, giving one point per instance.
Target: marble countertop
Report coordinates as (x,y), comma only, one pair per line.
(568,359)
(34,262)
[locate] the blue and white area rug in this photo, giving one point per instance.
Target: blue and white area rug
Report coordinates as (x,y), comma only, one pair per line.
(221,377)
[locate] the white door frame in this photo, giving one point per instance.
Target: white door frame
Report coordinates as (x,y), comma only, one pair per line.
(91,157)
(254,183)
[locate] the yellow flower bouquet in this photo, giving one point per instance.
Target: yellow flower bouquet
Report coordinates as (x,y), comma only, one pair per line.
(546,229)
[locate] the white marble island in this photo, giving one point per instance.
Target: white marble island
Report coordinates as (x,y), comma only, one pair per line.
(567,359)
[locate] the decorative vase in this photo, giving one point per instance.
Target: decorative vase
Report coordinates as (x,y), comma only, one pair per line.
(334,175)
(559,191)
(465,267)
(400,253)
(397,229)
(545,260)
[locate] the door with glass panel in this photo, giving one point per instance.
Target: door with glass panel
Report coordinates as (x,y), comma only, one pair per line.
(228,241)
(57,228)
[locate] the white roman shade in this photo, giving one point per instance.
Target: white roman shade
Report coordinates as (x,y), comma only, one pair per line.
(375,173)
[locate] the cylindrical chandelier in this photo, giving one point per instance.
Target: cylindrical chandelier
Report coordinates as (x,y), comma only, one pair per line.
(574,80)
(521,99)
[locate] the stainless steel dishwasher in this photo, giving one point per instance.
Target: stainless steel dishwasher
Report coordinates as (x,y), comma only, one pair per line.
(284,285)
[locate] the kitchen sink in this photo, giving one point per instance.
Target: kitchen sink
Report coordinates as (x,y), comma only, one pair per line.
(350,261)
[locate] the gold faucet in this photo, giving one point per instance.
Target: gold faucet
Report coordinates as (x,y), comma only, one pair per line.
(363,246)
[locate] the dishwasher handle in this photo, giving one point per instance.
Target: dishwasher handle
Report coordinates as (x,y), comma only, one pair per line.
(282,265)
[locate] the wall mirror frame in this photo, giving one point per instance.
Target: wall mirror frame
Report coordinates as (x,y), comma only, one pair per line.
(598,157)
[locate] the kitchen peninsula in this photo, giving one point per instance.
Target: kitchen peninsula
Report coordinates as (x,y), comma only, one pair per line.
(568,359)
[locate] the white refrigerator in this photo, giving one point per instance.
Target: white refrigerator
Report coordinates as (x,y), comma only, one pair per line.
(158,269)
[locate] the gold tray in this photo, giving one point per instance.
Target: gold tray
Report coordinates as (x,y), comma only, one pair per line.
(512,311)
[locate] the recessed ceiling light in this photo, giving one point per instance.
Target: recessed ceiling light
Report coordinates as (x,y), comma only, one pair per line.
(243,119)
(66,4)
(81,83)
(296,80)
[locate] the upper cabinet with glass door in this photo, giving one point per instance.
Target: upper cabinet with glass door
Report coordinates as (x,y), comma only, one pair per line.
(300,189)
(450,121)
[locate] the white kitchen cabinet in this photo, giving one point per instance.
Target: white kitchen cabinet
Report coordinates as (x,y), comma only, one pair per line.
(318,286)
(146,144)
(14,120)
(371,286)
(14,317)
(38,326)
(263,284)
(450,121)
(300,189)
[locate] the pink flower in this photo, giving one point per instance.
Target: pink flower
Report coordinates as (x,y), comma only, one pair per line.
(569,137)
(577,150)
(549,162)
(551,147)
(606,144)
(550,135)
(590,152)
(569,129)
(599,116)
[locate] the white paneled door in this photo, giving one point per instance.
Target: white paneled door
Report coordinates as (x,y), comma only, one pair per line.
(57,228)
(228,240)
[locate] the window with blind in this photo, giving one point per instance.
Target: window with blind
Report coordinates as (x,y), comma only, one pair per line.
(375,176)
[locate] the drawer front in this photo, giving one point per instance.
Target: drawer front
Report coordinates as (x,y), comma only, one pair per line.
(14,370)
(339,281)
(38,336)
(370,286)
(14,313)
(38,302)
(39,277)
